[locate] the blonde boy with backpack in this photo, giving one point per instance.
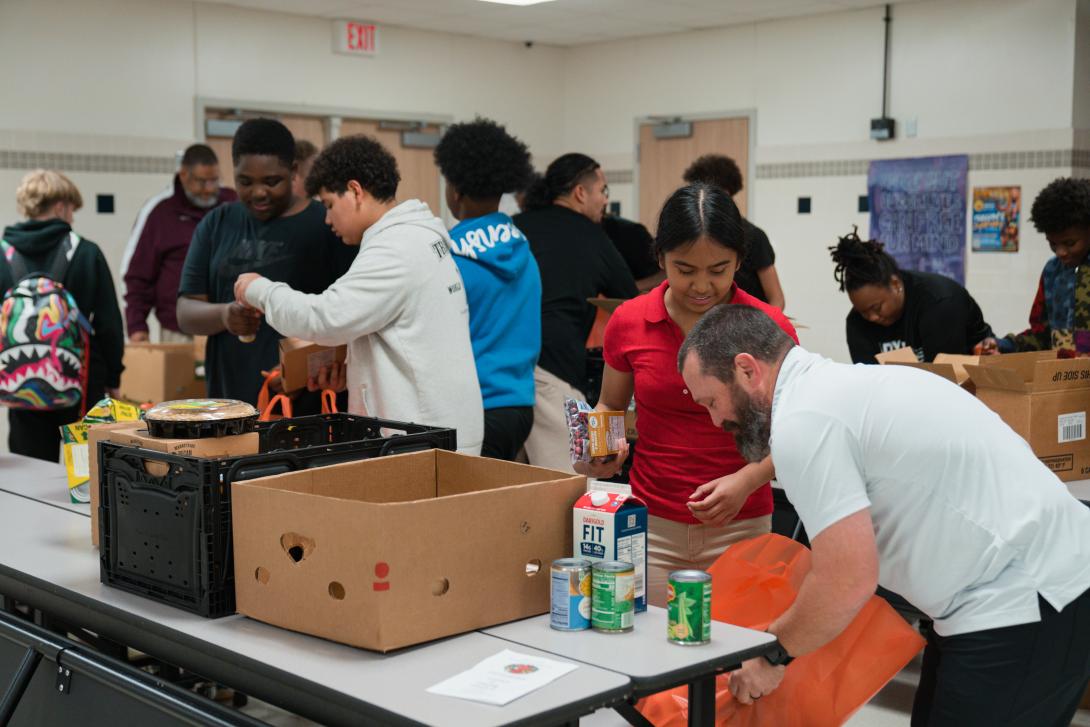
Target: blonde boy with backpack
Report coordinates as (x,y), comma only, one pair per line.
(51,371)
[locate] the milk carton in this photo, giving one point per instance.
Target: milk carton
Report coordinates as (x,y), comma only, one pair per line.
(613,526)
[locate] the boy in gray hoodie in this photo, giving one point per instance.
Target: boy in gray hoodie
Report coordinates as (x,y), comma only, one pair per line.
(401,307)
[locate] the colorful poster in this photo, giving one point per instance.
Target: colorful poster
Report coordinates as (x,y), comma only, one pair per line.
(917,208)
(995,218)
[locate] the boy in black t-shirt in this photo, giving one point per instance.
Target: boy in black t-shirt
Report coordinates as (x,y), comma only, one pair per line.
(634,242)
(270,231)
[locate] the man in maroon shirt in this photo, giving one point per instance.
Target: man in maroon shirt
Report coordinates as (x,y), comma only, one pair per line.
(155,268)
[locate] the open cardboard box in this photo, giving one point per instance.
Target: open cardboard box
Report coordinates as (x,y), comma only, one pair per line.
(394,551)
(300,360)
(1045,400)
(950,366)
(158,372)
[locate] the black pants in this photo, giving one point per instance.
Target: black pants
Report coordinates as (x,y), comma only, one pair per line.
(1032,675)
(506,430)
(38,433)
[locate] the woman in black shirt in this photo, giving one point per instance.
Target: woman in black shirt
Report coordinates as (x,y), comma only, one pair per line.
(894,308)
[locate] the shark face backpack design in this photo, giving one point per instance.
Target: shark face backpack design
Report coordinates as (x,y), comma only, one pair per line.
(44,338)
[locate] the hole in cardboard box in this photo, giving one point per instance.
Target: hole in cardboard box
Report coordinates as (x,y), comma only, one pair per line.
(440,587)
(336,590)
(298,547)
(533,567)
(261,575)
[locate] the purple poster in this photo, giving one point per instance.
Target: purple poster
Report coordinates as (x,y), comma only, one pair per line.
(917,208)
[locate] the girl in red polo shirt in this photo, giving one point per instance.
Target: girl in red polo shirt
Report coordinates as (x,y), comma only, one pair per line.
(701,494)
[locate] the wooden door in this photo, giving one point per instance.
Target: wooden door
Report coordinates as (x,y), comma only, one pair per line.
(663,161)
(311,128)
(419,175)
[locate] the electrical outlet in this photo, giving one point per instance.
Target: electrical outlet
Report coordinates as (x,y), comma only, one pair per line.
(910,128)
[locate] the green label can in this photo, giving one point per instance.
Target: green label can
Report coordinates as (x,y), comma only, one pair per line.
(613,585)
(689,607)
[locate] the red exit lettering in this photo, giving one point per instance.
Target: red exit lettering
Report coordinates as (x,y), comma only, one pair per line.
(360,37)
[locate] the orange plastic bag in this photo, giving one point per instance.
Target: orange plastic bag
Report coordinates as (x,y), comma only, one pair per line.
(754,582)
(267,402)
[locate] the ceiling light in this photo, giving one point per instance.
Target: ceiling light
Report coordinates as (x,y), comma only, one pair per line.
(516,2)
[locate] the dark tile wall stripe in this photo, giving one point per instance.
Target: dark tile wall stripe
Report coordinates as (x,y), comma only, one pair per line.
(1036,159)
(69,162)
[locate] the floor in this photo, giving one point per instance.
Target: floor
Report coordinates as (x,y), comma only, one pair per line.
(890,708)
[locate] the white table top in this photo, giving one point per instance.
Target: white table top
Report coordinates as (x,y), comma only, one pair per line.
(39,480)
(52,545)
(1080,489)
(643,653)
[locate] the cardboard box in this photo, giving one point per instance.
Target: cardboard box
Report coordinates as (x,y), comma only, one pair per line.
(300,360)
(950,366)
(1045,400)
(99,433)
(135,434)
(394,551)
(609,523)
(158,372)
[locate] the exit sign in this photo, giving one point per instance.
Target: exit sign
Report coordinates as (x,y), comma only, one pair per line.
(355,38)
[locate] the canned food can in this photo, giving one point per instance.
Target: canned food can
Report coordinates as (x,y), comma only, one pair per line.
(689,607)
(613,583)
(570,594)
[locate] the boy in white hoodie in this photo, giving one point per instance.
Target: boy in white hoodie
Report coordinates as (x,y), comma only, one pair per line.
(401,307)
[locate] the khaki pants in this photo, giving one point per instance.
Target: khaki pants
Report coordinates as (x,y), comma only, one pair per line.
(168,336)
(675,546)
(547,445)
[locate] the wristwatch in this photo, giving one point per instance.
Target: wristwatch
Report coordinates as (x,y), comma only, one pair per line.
(779,657)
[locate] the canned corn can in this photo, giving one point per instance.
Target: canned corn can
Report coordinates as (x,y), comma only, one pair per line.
(689,607)
(570,597)
(613,583)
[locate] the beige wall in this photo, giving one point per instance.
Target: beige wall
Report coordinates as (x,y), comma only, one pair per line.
(121,77)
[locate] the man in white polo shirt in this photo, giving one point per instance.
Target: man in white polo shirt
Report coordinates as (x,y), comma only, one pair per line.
(904,479)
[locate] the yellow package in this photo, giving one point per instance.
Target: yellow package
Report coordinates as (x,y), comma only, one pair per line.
(74,442)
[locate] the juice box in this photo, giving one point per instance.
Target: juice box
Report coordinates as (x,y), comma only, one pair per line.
(613,526)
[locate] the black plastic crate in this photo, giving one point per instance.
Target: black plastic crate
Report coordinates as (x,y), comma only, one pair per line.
(168,536)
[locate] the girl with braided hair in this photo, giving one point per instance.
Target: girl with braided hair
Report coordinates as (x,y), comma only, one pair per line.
(894,308)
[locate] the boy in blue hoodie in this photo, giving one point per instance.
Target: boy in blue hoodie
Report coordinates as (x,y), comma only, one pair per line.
(480,162)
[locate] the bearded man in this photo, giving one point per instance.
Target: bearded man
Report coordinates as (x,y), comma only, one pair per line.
(904,479)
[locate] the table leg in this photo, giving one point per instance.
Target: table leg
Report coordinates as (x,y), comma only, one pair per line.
(702,702)
(632,715)
(18,684)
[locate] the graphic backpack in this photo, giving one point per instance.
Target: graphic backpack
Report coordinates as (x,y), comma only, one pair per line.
(44,339)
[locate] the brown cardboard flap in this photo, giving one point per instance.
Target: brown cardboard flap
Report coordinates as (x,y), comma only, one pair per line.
(398,478)
(958,362)
(457,473)
(994,377)
(946,371)
(1061,374)
(901,355)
